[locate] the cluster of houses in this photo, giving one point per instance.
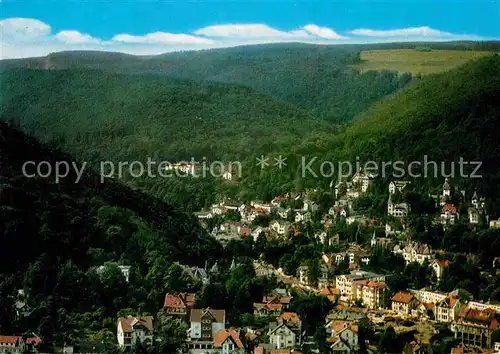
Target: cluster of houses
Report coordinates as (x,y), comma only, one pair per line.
(471,322)
(19,344)
(208,332)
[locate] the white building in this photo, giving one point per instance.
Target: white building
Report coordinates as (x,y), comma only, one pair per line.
(131,330)
(449,214)
(397,209)
(397,185)
(206,323)
(282,336)
(227,175)
(363,180)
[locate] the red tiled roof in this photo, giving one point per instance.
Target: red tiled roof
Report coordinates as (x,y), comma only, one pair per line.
(268,306)
(449,208)
(245,231)
(128,323)
(457,350)
(10,339)
(441,263)
(222,336)
(33,340)
(181,300)
(285,300)
(291,317)
(402,297)
(487,316)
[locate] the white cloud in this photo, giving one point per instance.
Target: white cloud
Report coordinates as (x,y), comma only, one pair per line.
(75,37)
(25,37)
(247,31)
(162,37)
(23,29)
(403,32)
(323,32)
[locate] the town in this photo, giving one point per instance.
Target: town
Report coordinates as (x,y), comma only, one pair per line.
(379,289)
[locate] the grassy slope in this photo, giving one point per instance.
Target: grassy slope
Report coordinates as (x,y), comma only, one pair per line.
(416,62)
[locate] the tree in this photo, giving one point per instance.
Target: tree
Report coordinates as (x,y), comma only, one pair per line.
(389,342)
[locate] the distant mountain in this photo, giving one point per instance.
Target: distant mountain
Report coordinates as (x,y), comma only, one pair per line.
(316,77)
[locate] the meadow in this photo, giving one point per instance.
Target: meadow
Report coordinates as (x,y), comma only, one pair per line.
(415,61)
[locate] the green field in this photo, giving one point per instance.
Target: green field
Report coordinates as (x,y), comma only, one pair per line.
(415,61)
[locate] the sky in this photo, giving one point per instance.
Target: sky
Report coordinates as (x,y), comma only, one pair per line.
(36,28)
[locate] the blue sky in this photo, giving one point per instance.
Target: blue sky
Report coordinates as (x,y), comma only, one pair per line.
(34,27)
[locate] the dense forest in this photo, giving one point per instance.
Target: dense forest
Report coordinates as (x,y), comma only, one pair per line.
(107,116)
(445,117)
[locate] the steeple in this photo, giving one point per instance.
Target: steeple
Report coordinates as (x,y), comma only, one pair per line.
(233,265)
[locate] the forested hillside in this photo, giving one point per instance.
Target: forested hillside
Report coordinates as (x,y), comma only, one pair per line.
(320,78)
(317,78)
(54,235)
(99,115)
(447,116)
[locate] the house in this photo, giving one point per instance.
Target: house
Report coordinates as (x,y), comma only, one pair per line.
(337,211)
(446,310)
(302,273)
(398,186)
(292,320)
(32,343)
(426,296)
(284,300)
(426,309)
(484,306)
(362,180)
(262,206)
(495,224)
(380,241)
(446,189)
(438,266)
(403,303)
(280,227)
(267,308)
(227,341)
(205,324)
(301,216)
(132,330)
(227,175)
(195,273)
(371,293)
(473,216)
(283,213)
(474,327)
(12,344)
(21,306)
(331,293)
(449,214)
(282,336)
(323,238)
(178,304)
(414,252)
(203,214)
(346,282)
(263,269)
(478,202)
(343,337)
(397,209)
